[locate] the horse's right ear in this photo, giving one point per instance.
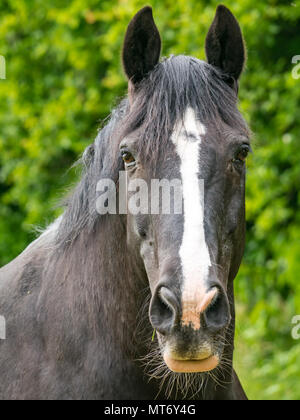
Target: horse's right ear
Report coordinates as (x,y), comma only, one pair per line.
(224,45)
(142,44)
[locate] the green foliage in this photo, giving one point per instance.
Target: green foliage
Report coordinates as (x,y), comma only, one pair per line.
(64,75)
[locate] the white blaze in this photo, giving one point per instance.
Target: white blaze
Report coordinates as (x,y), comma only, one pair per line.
(194,254)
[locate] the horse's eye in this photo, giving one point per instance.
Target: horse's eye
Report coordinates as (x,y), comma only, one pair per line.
(242,153)
(127,158)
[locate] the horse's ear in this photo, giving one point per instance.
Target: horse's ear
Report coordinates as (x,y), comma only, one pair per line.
(225,45)
(142,44)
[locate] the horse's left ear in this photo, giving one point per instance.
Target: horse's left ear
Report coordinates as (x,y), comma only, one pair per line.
(142,44)
(224,44)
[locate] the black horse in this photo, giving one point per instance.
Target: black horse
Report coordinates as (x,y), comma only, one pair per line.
(141,305)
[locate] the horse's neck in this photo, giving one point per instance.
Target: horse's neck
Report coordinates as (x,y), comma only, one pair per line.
(93,284)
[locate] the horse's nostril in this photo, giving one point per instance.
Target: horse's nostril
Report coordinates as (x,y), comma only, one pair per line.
(168,297)
(217,314)
(163,310)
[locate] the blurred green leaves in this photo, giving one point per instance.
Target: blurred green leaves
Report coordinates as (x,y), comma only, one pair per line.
(64,75)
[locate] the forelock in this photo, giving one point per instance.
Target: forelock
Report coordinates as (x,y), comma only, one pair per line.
(162,98)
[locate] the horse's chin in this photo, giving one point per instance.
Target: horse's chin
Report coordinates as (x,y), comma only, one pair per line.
(178,365)
(200,358)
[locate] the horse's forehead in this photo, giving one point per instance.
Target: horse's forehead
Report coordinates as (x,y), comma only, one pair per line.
(188,130)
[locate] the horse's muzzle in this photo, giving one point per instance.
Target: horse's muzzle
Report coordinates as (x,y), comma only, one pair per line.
(210,313)
(186,348)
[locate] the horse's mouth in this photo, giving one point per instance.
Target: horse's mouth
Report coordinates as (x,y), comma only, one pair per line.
(192,365)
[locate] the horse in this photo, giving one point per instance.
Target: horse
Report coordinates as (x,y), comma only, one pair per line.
(123,305)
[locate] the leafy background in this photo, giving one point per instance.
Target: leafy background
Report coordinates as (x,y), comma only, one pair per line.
(64,76)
